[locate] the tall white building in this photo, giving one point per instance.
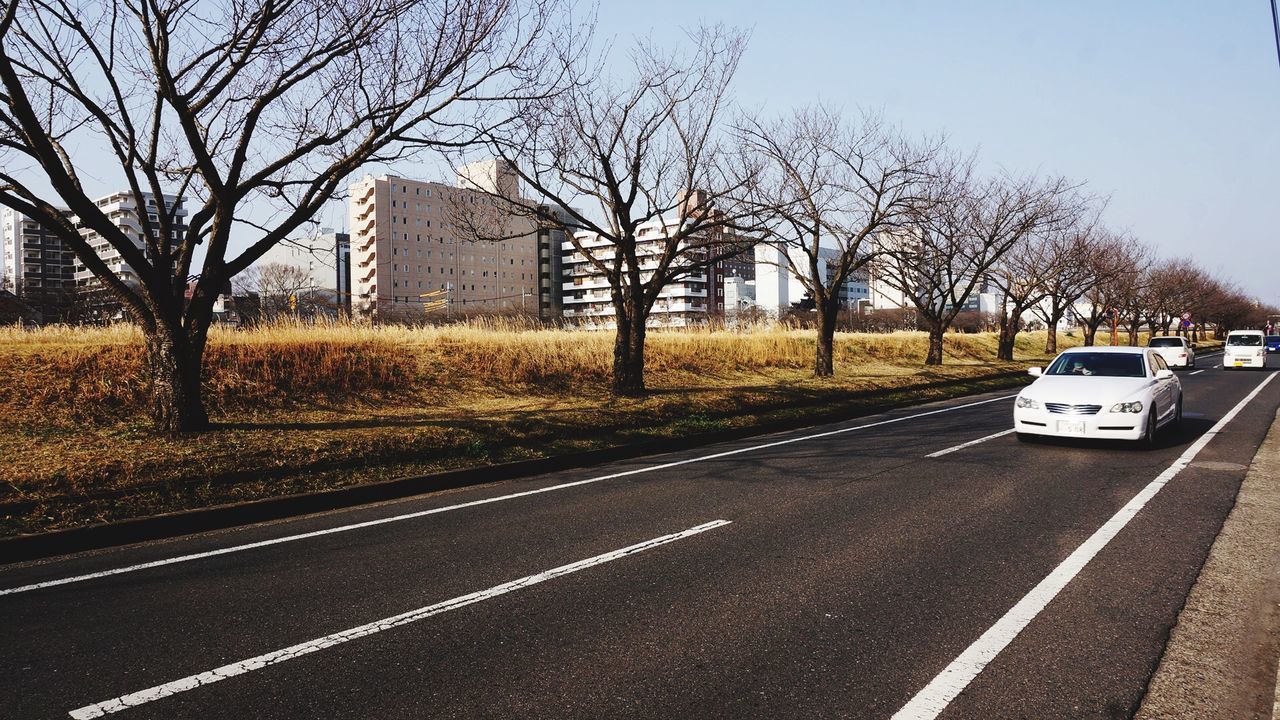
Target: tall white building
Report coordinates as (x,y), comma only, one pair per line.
(36,266)
(779,288)
(125,210)
(47,273)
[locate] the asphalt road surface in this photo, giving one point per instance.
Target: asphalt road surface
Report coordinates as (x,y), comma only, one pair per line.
(835,572)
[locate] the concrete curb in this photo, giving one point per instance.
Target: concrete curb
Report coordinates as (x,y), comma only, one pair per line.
(60,542)
(1221,658)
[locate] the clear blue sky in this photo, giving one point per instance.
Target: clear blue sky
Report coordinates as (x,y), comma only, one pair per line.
(1173,108)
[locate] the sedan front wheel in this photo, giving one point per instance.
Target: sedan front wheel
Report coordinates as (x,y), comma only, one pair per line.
(1148,439)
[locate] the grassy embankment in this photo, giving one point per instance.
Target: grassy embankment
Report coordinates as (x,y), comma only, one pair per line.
(308,408)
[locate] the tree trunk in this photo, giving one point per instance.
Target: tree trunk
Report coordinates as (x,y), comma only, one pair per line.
(1008,335)
(1051,341)
(1090,333)
(935,343)
(175,366)
(823,361)
(628,352)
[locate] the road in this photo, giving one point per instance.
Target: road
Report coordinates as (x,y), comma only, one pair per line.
(831,572)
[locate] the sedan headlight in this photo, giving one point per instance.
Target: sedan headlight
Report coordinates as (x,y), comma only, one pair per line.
(1026,402)
(1127,407)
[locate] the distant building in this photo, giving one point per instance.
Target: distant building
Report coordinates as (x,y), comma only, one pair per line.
(588,299)
(739,294)
(224,305)
(325,257)
(94,300)
(693,299)
(408,258)
(551,243)
(779,289)
(36,267)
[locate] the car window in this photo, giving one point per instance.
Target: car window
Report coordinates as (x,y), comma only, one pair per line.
(1105,364)
(1244,340)
(1165,342)
(1160,363)
(1273,339)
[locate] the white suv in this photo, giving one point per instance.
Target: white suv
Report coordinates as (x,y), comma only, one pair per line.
(1245,348)
(1176,351)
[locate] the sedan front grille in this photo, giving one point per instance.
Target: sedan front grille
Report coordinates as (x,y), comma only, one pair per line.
(1065,409)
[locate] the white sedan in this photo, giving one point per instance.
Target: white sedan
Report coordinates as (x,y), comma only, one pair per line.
(1117,393)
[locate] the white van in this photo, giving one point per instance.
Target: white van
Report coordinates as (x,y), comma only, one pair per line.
(1245,348)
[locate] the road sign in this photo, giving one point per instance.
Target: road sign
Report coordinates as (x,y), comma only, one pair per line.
(1186,316)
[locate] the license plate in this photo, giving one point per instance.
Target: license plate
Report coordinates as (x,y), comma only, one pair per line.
(1071,427)
(1239,363)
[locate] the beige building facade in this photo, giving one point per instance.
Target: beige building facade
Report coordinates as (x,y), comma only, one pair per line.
(411,252)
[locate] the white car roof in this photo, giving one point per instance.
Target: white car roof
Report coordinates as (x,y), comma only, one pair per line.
(1245,332)
(1105,349)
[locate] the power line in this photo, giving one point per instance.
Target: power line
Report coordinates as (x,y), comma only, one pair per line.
(1275,24)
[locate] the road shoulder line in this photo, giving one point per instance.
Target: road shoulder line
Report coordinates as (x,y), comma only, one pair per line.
(1221,658)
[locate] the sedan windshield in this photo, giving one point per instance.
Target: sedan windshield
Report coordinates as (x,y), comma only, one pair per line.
(1244,340)
(1273,339)
(1166,342)
(1098,363)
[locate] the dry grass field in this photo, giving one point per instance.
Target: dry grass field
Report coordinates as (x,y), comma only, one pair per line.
(302,407)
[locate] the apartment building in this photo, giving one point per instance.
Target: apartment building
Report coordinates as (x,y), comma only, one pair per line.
(126,211)
(691,300)
(36,266)
(407,256)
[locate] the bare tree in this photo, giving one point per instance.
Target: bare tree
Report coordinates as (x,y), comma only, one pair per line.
(1020,278)
(253,112)
(282,290)
(948,250)
(1116,267)
(1169,290)
(827,187)
(639,176)
(1079,265)
(1026,275)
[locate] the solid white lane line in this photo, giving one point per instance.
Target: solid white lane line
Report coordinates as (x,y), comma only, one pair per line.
(1197,372)
(473,503)
(971,443)
(124,702)
(934,698)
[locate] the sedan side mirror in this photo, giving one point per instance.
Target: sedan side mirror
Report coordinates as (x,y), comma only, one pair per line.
(1164,374)
(1035,372)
